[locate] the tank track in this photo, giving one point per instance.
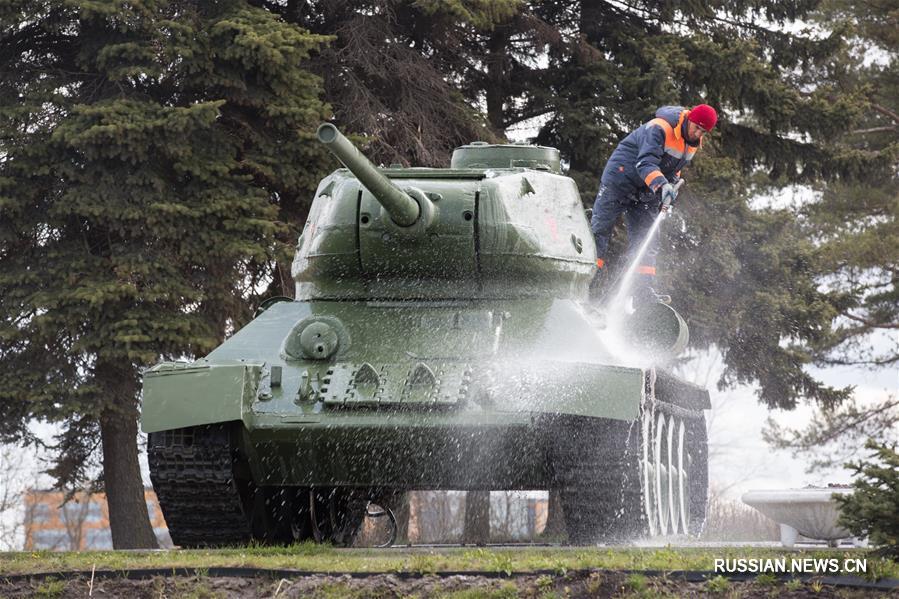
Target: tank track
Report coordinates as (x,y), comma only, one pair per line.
(598,472)
(597,491)
(192,470)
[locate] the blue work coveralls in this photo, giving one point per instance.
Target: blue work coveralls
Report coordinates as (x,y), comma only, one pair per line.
(646,159)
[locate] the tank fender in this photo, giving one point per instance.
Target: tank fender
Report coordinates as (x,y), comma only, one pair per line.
(180,394)
(681,393)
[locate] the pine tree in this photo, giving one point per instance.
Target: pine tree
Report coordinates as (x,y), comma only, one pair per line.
(872,510)
(856,221)
(387,73)
(856,230)
(145,148)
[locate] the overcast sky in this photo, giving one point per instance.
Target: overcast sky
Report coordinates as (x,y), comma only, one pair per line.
(740,458)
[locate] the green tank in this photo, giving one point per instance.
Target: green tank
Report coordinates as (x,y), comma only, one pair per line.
(440,338)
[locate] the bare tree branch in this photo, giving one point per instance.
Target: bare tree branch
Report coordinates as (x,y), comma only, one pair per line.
(871,323)
(874,130)
(886,112)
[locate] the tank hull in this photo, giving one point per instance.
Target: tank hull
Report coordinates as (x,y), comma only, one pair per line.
(317,402)
(427,364)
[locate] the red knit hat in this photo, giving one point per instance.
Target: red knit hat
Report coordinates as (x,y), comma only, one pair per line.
(704,116)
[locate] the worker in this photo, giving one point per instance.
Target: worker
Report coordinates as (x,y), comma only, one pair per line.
(640,180)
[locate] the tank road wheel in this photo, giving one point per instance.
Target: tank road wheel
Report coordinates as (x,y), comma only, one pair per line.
(376,511)
(696,475)
(674,465)
(680,473)
(336,514)
(277,515)
(662,468)
(285,515)
(685,464)
(648,492)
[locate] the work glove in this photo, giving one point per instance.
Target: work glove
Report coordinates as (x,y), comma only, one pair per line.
(669,194)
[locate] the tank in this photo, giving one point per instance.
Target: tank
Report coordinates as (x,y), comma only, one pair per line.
(440,337)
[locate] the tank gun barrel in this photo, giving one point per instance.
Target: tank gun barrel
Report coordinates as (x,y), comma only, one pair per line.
(404,210)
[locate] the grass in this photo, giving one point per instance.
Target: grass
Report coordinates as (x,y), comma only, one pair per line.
(718,585)
(637,583)
(50,588)
(324,558)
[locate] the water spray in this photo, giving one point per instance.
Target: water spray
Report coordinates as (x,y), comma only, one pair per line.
(624,285)
(617,302)
(617,338)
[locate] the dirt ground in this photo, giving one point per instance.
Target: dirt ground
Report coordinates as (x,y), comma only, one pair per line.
(579,584)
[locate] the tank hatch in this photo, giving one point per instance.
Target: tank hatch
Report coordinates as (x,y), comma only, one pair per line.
(480,154)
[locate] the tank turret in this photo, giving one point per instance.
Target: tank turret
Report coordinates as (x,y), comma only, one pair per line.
(504,224)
